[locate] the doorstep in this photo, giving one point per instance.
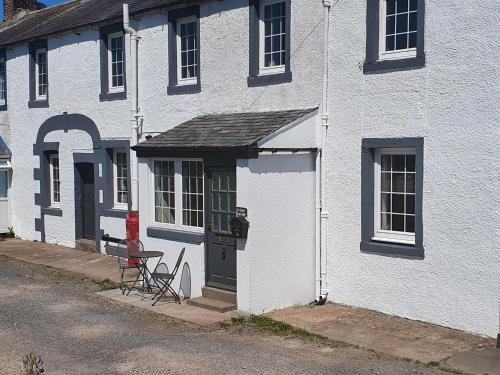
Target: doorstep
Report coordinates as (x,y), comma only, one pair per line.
(184,312)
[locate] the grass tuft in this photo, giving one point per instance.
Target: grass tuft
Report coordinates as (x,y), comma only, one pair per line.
(107,284)
(268,325)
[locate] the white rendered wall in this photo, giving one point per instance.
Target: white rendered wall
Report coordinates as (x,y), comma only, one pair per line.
(194,255)
(276,263)
(74,87)
(453,104)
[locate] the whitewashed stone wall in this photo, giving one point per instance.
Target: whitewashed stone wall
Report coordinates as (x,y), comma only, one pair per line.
(453,104)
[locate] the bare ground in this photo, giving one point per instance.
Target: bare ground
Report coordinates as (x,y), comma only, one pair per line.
(57,315)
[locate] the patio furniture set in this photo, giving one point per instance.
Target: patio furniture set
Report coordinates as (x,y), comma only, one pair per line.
(155,280)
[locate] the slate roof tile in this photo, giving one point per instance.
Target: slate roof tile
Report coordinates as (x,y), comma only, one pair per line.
(71,15)
(226,130)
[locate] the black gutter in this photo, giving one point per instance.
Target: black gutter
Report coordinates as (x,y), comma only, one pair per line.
(240,152)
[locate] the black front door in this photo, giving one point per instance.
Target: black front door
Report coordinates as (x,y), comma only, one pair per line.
(221,245)
(85,200)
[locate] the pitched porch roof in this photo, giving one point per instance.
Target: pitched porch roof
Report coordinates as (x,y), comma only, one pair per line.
(4,150)
(228,132)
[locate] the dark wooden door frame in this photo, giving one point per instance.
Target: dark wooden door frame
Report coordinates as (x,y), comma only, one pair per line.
(208,168)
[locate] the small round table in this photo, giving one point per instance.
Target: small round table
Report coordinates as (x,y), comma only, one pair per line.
(143,257)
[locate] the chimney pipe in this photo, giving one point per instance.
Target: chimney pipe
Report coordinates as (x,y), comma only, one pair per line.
(12,7)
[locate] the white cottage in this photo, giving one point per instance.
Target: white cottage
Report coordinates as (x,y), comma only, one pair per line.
(353,137)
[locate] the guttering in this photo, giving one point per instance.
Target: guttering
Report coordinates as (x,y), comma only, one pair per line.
(136,117)
(321,176)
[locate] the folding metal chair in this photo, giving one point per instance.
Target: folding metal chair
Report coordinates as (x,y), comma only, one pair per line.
(120,251)
(164,279)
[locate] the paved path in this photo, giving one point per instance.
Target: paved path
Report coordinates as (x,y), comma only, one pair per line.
(94,266)
(58,316)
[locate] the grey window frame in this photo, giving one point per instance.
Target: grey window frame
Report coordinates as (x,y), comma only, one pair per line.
(372,63)
(368,245)
(109,191)
(173,87)
(3,55)
(106,94)
(33,101)
(255,79)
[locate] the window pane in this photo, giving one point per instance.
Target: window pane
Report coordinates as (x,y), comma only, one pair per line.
(413,21)
(412,40)
(398,223)
(410,224)
(391,6)
(385,205)
(164,192)
(413,4)
(410,182)
(389,43)
(390,26)
(192,193)
(386,182)
(402,5)
(398,163)
(398,203)
(3,184)
(385,221)
(402,23)
(410,163)
(410,204)
(398,182)
(386,162)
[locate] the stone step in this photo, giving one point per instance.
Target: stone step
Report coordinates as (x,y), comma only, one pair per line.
(211,304)
(219,294)
(85,245)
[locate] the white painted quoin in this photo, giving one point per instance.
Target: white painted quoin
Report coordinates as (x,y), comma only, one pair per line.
(448,103)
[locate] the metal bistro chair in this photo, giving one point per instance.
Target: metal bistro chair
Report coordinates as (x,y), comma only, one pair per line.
(121,251)
(164,279)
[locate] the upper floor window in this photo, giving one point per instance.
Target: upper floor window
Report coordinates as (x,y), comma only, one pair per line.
(269,42)
(398,28)
(394,35)
(55,181)
(3,81)
(116,62)
(41,75)
(187,51)
(273,37)
(184,51)
(120,180)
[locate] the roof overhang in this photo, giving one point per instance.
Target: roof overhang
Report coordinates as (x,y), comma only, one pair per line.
(238,135)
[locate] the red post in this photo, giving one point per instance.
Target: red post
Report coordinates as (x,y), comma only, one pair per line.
(132,225)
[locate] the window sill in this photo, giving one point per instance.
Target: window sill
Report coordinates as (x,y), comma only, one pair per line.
(394,65)
(38,103)
(110,96)
(176,235)
(52,211)
(115,212)
(184,89)
(392,249)
(269,79)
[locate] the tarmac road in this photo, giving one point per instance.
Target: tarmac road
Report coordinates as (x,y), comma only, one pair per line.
(57,315)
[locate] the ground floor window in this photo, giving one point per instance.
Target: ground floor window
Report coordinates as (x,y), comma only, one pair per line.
(3,183)
(178,192)
(392,195)
(120,179)
(55,181)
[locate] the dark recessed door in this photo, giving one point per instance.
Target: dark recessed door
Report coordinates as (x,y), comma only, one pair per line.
(87,200)
(221,245)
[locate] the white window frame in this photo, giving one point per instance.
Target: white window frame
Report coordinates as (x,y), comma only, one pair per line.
(112,88)
(387,235)
(263,70)
(116,204)
(178,196)
(37,73)
(3,61)
(191,80)
(396,54)
(51,167)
